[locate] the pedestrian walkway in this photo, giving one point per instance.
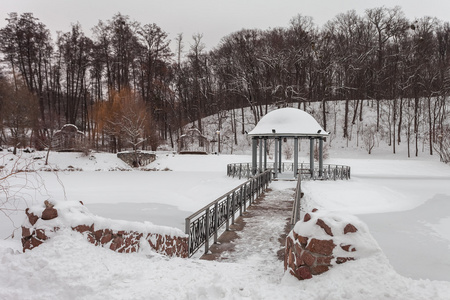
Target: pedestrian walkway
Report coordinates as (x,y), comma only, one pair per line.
(259,235)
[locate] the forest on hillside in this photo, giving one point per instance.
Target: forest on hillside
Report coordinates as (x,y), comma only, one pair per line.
(123,86)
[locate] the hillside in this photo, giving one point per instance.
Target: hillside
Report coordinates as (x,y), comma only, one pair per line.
(362,136)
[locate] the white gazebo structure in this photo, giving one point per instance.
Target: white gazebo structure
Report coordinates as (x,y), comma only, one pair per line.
(282,124)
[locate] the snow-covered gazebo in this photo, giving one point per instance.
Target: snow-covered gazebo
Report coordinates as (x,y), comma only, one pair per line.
(193,142)
(281,124)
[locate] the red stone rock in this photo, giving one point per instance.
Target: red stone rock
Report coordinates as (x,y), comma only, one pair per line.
(303,273)
(348,248)
(298,261)
(297,249)
(314,210)
(49,213)
(321,223)
(98,234)
(91,239)
(308,258)
(117,244)
(324,247)
(118,241)
(307,217)
(26,232)
(350,228)
(82,228)
(31,217)
(121,232)
(302,240)
(319,269)
(323,260)
(34,242)
(40,234)
(129,241)
(289,242)
(48,204)
(291,258)
(293,273)
(81,202)
(106,238)
(26,244)
(113,246)
(341,260)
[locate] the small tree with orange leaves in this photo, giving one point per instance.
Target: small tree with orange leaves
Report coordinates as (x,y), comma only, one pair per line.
(124,119)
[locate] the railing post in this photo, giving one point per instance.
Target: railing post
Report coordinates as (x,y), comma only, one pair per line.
(228,213)
(240,199)
(245,198)
(233,204)
(250,194)
(187,230)
(216,220)
(207,231)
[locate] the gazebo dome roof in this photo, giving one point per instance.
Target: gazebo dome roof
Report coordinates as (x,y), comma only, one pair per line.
(288,122)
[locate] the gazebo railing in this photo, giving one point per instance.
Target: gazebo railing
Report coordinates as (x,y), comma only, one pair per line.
(329,171)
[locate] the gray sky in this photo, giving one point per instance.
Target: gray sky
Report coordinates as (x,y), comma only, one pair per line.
(212,18)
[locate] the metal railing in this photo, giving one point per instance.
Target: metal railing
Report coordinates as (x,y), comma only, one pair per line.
(239,170)
(205,223)
(329,172)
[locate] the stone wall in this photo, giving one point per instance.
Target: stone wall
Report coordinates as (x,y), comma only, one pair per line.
(41,226)
(318,242)
(138,159)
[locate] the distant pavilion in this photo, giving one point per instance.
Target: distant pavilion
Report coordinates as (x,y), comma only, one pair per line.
(283,124)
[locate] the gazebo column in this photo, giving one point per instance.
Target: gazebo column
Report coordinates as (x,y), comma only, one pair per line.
(311,156)
(254,154)
(265,153)
(320,157)
(260,155)
(279,153)
(295,157)
(275,164)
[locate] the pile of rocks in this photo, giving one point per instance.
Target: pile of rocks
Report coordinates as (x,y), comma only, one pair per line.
(317,243)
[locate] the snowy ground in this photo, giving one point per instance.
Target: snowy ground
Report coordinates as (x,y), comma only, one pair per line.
(405,204)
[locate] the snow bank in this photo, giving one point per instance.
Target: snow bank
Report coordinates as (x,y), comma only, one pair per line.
(68,267)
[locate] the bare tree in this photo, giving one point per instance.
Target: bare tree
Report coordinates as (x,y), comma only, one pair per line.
(20,109)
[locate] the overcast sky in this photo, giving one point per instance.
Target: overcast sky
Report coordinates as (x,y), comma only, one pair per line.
(212,18)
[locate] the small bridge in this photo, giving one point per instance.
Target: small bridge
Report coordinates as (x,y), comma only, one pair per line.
(206,223)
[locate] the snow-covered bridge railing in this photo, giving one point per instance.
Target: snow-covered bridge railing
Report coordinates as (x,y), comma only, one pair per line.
(328,172)
(206,222)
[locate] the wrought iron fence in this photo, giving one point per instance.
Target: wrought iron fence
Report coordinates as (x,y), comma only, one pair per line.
(240,170)
(205,223)
(329,172)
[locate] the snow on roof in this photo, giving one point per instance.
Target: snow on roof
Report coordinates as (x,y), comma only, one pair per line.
(288,122)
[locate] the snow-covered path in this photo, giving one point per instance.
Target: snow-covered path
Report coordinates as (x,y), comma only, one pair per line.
(258,243)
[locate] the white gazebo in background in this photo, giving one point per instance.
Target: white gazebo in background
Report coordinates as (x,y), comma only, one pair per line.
(283,124)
